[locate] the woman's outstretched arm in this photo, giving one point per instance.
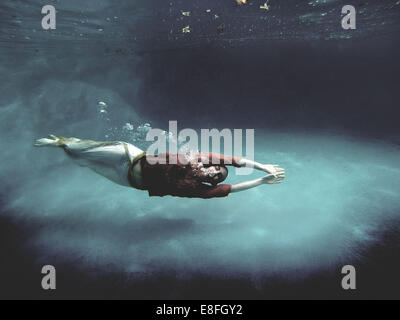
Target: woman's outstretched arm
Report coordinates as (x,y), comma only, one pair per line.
(268,179)
(215,158)
(268,168)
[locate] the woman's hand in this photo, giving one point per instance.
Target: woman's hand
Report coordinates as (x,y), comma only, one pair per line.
(272,168)
(273,178)
(268,179)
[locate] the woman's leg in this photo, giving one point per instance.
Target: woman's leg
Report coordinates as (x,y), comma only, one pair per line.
(109,159)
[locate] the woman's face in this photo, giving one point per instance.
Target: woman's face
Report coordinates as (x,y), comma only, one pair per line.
(215,174)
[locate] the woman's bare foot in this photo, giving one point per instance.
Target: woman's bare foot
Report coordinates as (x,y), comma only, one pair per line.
(53,141)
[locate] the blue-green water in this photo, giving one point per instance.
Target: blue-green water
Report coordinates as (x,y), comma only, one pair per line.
(339,194)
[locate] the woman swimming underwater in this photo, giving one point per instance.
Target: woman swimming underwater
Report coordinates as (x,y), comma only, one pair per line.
(127,165)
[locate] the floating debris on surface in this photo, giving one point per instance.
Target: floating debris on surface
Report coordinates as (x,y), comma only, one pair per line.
(265,6)
(244,21)
(186,29)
